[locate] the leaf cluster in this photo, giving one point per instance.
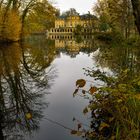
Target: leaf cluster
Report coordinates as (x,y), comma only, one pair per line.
(114,107)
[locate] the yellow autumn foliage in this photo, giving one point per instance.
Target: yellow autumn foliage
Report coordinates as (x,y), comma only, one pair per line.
(10,29)
(0,22)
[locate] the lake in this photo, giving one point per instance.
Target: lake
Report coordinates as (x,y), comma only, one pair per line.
(38,79)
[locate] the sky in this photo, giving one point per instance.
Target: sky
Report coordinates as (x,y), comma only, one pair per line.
(81,6)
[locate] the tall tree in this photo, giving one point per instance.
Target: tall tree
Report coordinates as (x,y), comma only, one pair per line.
(116,14)
(69,12)
(136,12)
(15,12)
(41,17)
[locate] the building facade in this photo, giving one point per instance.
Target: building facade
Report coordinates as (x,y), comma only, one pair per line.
(71,24)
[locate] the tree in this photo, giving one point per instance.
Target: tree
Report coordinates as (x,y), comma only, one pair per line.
(136,12)
(41,17)
(78,29)
(15,13)
(71,11)
(114,106)
(11,27)
(117,15)
(20,106)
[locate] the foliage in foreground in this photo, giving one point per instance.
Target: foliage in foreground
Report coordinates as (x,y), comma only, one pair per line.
(114,107)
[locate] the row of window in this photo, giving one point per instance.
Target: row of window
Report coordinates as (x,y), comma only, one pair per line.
(62,30)
(67,37)
(74,24)
(69,30)
(61,37)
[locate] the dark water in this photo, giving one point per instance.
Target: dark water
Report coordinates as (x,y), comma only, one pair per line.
(37,81)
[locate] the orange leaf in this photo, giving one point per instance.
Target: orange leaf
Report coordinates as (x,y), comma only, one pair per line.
(80,83)
(92,90)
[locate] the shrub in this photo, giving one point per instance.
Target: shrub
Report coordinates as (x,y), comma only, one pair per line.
(114,107)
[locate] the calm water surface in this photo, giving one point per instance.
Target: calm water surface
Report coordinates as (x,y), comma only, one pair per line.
(37,81)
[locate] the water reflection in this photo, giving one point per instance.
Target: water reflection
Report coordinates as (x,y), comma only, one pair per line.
(121,61)
(72,45)
(24,79)
(118,58)
(27,72)
(106,102)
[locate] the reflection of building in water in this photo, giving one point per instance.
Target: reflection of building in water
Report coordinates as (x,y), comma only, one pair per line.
(68,36)
(72,45)
(68,24)
(55,36)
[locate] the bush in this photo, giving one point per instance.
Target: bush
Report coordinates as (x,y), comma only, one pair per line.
(114,107)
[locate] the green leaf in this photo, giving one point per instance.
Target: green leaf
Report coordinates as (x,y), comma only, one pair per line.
(119,100)
(138,83)
(122,87)
(85,110)
(98,96)
(80,83)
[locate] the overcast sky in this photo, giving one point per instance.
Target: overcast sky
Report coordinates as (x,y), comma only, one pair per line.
(82,6)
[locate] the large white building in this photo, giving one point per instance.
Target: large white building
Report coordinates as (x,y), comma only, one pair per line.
(69,24)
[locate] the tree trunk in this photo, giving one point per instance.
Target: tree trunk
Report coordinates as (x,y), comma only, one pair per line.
(1,133)
(23,22)
(136,12)
(1,2)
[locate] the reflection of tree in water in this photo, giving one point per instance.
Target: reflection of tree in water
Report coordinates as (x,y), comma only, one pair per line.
(24,80)
(119,57)
(113,105)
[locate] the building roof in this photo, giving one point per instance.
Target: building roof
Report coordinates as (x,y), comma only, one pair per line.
(88,16)
(84,16)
